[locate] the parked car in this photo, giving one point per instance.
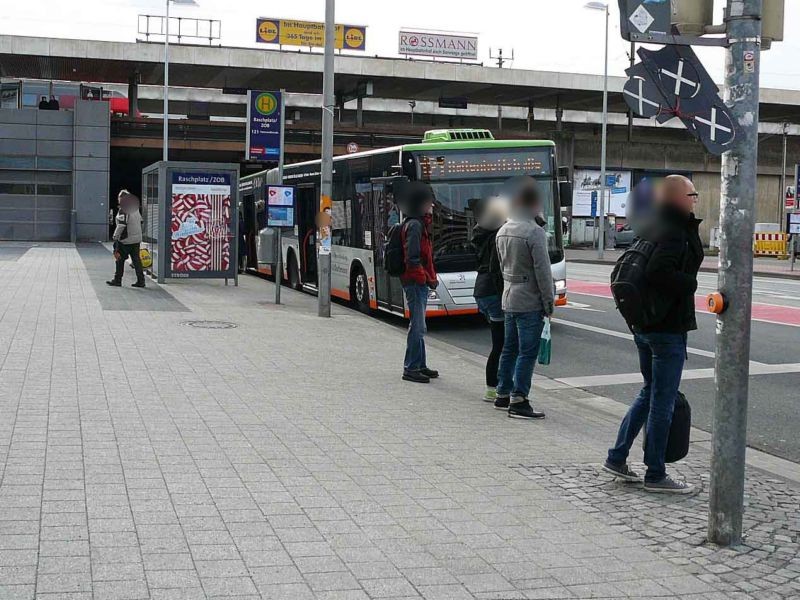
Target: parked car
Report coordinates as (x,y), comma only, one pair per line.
(624,237)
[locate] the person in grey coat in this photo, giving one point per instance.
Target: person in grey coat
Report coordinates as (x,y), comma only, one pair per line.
(528,296)
(127,239)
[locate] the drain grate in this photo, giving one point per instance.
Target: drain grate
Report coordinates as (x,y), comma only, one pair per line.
(210,324)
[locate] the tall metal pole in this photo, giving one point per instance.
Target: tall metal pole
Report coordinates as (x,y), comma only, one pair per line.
(737,222)
(601,235)
(165,155)
(279,265)
(326,182)
(632,60)
(782,191)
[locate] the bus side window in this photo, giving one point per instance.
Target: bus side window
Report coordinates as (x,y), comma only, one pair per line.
(341,217)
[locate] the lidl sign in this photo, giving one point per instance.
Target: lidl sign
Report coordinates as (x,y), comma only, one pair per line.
(289,32)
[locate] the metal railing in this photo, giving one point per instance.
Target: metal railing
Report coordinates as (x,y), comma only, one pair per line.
(180,28)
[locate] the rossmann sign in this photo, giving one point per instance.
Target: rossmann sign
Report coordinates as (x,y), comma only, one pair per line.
(438,45)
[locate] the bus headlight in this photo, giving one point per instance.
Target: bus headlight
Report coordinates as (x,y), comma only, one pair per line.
(561,286)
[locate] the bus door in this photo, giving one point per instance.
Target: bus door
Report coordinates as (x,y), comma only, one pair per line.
(385,213)
(307,209)
(250,233)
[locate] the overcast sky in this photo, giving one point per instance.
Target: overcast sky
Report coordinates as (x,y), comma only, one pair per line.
(553,35)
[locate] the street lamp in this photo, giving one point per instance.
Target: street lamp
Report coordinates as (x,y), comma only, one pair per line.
(166,75)
(601,234)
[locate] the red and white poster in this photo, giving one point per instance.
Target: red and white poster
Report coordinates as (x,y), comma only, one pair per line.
(201,224)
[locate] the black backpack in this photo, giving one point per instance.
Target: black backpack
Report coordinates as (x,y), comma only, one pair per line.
(679,431)
(394,261)
(629,285)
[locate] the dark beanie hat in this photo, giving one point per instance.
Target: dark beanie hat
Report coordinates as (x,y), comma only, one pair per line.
(412,197)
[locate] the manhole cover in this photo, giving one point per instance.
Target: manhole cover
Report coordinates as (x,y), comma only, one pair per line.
(210,324)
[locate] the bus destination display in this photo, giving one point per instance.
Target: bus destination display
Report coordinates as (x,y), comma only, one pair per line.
(452,165)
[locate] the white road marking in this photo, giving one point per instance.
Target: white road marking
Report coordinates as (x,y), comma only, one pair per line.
(628,336)
(580,306)
(629,378)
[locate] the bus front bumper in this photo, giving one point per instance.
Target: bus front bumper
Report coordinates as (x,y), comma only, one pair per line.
(446,301)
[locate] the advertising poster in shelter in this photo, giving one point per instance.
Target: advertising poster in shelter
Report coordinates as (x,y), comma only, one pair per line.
(586,201)
(201,224)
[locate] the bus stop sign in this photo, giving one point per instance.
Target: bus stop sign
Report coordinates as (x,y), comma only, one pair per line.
(641,19)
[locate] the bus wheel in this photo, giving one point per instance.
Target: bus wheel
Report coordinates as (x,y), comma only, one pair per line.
(359,290)
(294,272)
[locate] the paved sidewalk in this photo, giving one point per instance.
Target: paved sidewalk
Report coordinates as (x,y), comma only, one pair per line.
(213,445)
(762,266)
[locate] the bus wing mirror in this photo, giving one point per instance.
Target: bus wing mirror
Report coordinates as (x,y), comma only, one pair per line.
(565,193)
(564,187)
(395,185)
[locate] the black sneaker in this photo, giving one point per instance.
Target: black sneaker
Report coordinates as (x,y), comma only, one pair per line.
(138,284)
(429,373)
(502,402)
(416,377)
(523,410)
(622,471)
(114,283)
(668,486)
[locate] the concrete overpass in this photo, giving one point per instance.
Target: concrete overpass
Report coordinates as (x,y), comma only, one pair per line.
(197,66)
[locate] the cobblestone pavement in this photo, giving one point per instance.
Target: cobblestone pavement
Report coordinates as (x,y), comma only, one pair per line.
(766,565)
(141,457)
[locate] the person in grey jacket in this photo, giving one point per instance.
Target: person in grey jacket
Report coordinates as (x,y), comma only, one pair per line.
(127,239)
(528,296)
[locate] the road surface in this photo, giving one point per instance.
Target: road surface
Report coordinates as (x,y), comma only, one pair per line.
(592,350)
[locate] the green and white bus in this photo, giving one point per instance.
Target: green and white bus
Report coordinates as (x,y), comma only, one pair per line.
(460,165)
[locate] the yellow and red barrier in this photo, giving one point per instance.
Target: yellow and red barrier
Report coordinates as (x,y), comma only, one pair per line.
(771,244)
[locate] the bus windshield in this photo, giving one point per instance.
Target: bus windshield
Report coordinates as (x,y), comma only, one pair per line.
(460,178)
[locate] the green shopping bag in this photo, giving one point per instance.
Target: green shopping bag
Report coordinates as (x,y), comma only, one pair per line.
(545,344)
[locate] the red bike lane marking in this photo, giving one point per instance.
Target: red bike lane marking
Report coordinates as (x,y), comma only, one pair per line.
(768,313)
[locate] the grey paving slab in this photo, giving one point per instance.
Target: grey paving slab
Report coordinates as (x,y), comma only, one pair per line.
(99,264)
(283,458)
(13,251)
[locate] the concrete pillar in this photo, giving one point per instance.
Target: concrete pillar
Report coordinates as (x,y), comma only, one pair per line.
(133,93)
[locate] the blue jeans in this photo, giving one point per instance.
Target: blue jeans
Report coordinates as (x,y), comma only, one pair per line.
(520,351)
(417,301)
(491,307)
(661,358)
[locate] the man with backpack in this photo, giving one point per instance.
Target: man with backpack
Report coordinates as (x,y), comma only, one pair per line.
(653,285)
(418,274)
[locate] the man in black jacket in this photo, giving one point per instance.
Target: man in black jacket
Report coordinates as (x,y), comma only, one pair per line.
(672,280)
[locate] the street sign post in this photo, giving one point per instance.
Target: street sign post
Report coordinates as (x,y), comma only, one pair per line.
(280,213)
(737,223)
(671,82)
(642,19)
(651,22)
(326,171)
(264,126)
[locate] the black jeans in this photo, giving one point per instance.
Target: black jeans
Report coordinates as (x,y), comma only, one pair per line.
(491,308)
(126,250)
